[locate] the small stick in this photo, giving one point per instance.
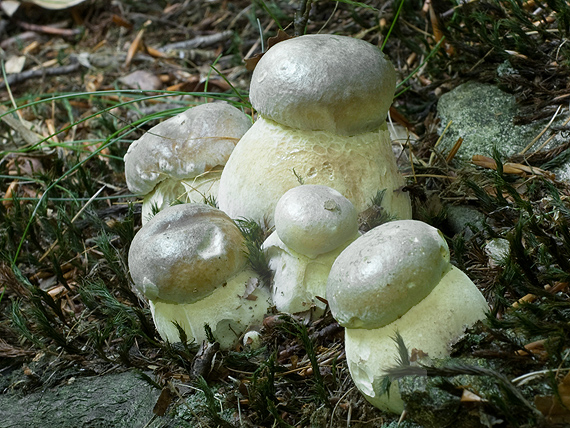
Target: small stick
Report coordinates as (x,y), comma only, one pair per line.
(13,79)
(197,42)
(64,32)
(302,16)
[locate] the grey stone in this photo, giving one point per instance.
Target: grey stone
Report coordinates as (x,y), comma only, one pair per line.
(483,115)
(464,219)
(114,400)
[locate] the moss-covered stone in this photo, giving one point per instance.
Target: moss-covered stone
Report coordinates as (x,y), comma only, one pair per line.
(483,116)
(115,400)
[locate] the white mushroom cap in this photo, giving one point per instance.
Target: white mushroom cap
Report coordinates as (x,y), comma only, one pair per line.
(314,219)
(184,146)
(324,82)
(385,272)
(185,252)
(252,339)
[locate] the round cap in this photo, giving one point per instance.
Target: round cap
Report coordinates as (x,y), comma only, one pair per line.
(185,252)
(314,219)
(385,272)
(184,146)
(324,82)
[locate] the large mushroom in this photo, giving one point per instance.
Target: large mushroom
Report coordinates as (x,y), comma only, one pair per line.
(181,159)
(313,224)
(189,260)
(398,278)
(322,101)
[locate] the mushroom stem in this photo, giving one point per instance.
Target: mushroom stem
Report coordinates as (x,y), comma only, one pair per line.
(356,166)
(229,311)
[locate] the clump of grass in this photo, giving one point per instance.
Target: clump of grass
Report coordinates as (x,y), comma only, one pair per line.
(255,235)
(300,331)
(376,214)
(212,405)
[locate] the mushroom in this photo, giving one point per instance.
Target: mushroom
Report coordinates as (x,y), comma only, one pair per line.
(398,278)
(323,101)
(189,260)
(182,157)
(313,224)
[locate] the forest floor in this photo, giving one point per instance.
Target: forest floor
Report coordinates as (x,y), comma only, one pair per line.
(79,85)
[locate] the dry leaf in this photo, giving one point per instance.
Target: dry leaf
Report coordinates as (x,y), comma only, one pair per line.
(141,79)
(250,63)
(250,287)
(470,397)
(15,64)
(511,168)
(163,401)
(556,410)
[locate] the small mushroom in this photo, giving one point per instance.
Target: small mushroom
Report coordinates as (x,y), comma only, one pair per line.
(190,262)
(398,278)
(182,158)
(323,101)
(313,224)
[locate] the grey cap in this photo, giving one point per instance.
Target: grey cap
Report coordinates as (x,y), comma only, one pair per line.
(385,272)
(314,219)
(185,252)
(324,82)
(184,146)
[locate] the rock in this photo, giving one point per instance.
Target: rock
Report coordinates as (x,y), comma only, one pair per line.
(435,402)
(464,220)
(498,249)
(483,116)
(114,400)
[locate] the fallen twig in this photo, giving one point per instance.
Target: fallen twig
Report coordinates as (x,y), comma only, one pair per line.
(197,42)
(46,29)
(30,74)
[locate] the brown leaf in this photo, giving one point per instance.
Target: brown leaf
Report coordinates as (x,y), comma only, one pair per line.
(556,410)
(251,63)
(510,167)
(163,402)
(121,22)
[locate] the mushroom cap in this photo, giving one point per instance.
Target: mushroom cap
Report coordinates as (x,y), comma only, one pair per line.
(184,146)
(185,252)
(324,82)
(386,272)
(314,219)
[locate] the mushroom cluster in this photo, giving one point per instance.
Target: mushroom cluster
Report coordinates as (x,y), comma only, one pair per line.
(189,261)
(315,158)
(181,159)
(398,278)
(322,101)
